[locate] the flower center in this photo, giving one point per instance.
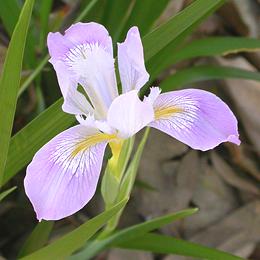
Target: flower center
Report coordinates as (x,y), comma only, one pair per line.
(91,141)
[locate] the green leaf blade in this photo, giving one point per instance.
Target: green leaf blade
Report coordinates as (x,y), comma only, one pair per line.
(169,245)
(214,46)
(31,138)
(38,238)
(6,193)
(162,36)
(206,72)
(74,240)
(131,233)
(10,81)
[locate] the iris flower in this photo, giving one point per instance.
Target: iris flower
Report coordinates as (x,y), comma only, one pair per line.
(63,175)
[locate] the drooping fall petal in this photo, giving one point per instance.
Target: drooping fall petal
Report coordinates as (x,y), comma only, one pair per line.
(63,174)
(128,114)
(195,117)
(131,65)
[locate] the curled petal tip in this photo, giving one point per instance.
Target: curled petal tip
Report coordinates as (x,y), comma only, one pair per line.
(134,31)
(234,139)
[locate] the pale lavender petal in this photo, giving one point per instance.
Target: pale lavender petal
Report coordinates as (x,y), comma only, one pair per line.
(58,45)
(78,34)
(91,33)
(86,53)
(195,117)
(131,65)
(128,114)
(74,101)
(63,174)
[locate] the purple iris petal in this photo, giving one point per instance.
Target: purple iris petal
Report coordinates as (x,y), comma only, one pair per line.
(63,174)
(195,117)
(74,101)
(84,55)
(132,70)
(77,34)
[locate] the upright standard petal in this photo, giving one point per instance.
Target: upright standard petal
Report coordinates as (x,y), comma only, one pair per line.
(78,34)
(85,50)
(128,114)
(131,65)
(63,174)
(195,117)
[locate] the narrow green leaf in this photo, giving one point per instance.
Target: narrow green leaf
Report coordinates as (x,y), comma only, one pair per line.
(45,9)
(206,72)
(9,14)
(215,46)
(144,14)
(6,193)
(169,245)
(165,57)
(27,141)
(130,233)
(37,239)
(74,240)
(86,10)
(34,74)
(129,178)
(117,11)
(163,35)
(10,80)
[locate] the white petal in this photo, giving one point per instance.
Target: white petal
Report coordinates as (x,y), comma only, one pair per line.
(128,114)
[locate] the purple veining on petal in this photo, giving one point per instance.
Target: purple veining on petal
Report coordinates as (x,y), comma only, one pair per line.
(195,117)
(58,182)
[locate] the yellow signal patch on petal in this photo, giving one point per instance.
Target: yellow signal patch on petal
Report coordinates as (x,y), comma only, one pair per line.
(92,140)
(166,112)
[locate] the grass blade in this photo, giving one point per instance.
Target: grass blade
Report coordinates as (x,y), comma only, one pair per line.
(9,13)
(6,193)
(37,239)
(215,46)
(163,35)
(74,240)
(206,72)
(45,9)
(10,81)
(144,14)
(131,233)
(28,141)
(169,245)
